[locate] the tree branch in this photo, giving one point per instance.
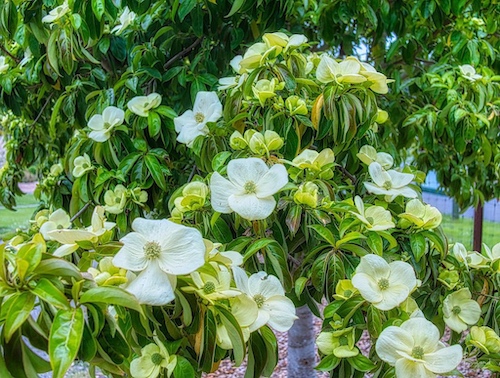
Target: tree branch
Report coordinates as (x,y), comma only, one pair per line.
(347,174)
(42,109)
(81,211)
(17,60)
(183,53)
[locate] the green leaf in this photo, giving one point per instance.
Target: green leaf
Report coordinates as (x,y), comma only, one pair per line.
(418,244)
(236,7)
(154,124)
(324,233)
(98,8)
(156,172)
(58,268)
(349,237)
(375,243)
(300,285)
(234,333)
(28,258)
(111,295)
(64,340)
(183,368)
(15,311)
(328,363)
(219,161)
(361,363)
(185,8)
(255,247)
(4,372)
(46,290)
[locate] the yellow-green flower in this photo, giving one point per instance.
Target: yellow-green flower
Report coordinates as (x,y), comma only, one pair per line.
(265,89)
(154,358)
(307,194)
(273,140)
(367,154)
(375,218)
(115,199)
(82,164)
(344,290)
(108,274)
(237,142)
(460,310)
(309,159)
(485,339)
(422,216)
(296,105)
(193,197)
(340,343)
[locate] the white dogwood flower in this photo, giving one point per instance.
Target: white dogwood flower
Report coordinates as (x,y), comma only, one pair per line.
(389,183)
(468,72)
(126,18)
(375,218)
(274,308)
(415,350)
(160,250)
(4,66)
(56,13)
(460,310)
(193,123)
(368,154)
(346,71)
(422,216)
(101,125)
(59,219)
(249,188)
(82,164)
(382,284)
(141,105)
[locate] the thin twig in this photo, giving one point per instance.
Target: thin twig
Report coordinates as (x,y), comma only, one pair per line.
(81,211)
(191,175)
(42,109)
(346,173)
(9,54)
(183,53)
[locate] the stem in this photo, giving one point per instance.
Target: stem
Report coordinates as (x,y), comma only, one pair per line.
(81,211)
(183,53)
(42,109)
(9,54)
(346,173)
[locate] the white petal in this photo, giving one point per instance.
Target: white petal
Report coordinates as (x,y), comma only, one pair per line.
(470,313)
(46,228)
(374,266)
(136,106)
(208,103)
(400,179)
(99,136)
(265,285)
(244,309)
(190,132)
(281,313)
(241,280)
(65,250)
(349,66)
(250,207)
(61,218)
(455,323)
(185,120)
(367,287)
(96,122)
(113,116)
(405,192)
(65,236)
(443,360)
(131,255)
(391,341)
(424,333)
(327,69)
(372,188)
(378,174)
(275,179)
(407,368)
(262,319)
(221,189)
(152,286)
(241,171)
(402,273)
(393,297)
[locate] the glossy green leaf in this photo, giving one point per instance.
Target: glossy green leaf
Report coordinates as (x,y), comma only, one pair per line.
(15,311)
(64,340)
(112,296)
(50,293)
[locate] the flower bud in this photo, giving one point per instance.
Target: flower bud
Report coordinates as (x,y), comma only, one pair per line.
(449,278)
(485,339)
(382,116)
(237,142)
(257,144)
(296,105)
(273,141)
(307,194)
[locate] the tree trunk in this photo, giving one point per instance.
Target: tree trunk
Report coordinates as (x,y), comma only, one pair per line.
(478,228)
(301,346)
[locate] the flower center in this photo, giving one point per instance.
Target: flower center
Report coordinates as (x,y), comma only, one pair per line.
(157,358)
(370,220)
(152,250)
(250,187)
(417,352)
(118,200)
(343,340)
(259,299)
(106,125)
(199,117)
(347,293)
(209,287)
(85,166)
(456,310)
(387,185)
(383,284)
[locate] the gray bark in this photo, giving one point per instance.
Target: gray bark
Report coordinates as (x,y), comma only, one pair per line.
(301,346)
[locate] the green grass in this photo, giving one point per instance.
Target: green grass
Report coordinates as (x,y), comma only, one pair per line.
(10,220)
(461,230)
